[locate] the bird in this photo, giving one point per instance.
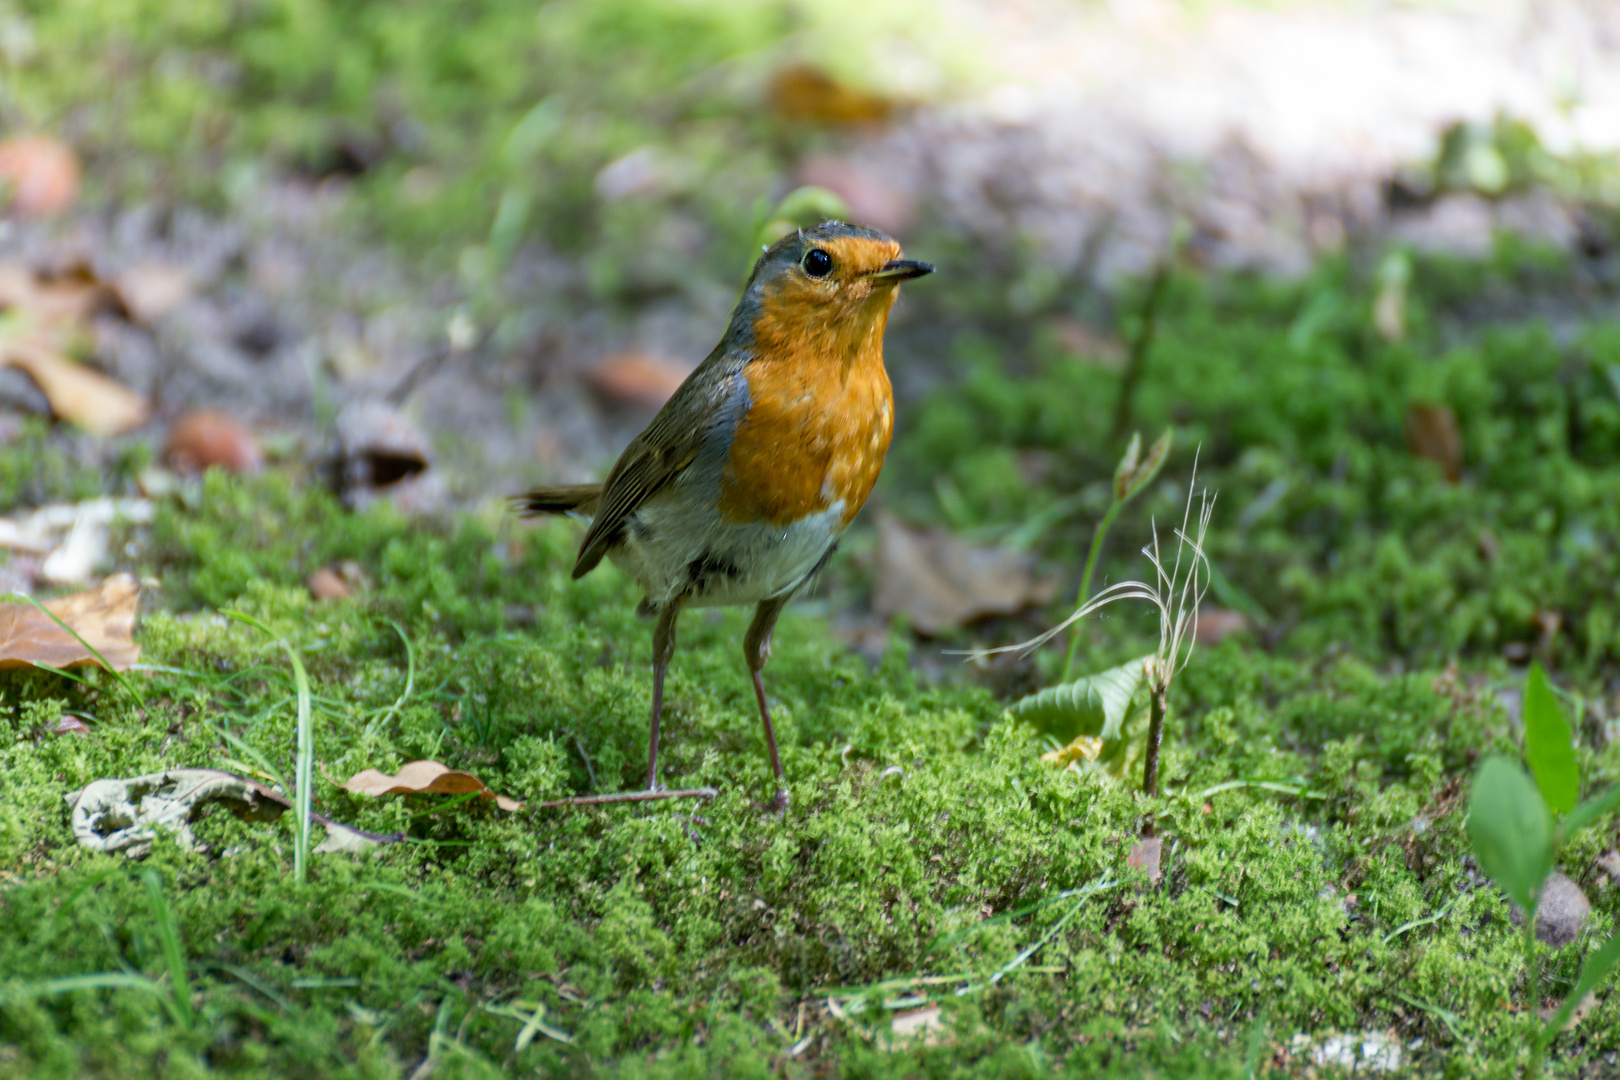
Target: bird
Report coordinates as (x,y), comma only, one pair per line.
(739,490)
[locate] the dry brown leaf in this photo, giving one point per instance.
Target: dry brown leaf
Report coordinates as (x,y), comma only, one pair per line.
(937,582)
(639,380)
(204,438)
(76,393)
(104,617)
(150,290)
(42,174)
(1432,433)
(803,94)
(425,777)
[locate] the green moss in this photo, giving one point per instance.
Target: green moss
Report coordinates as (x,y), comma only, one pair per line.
(690,940)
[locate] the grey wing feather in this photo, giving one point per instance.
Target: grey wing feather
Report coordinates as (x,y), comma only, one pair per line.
(659,454)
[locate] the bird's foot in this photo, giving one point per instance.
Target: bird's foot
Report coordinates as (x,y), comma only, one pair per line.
(779,804)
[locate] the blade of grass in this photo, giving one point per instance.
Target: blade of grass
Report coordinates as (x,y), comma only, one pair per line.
(410,682)
(304,765)
(174,956)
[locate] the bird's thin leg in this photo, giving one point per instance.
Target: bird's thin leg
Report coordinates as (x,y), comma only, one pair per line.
(757,649)
(663,649)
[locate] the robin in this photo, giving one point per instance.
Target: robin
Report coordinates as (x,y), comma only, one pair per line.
(739,489)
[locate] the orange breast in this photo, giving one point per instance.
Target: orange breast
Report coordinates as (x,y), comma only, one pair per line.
(816,433)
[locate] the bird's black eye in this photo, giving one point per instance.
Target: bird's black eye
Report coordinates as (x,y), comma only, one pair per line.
(818,263)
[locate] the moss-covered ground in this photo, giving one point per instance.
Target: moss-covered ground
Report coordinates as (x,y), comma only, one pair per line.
(929,855)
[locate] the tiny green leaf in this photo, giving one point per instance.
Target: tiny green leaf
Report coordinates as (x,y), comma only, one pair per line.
(1596,969)
(1135,472)
(1510,830)
(1549,745)
(1589,811)
(1096,705)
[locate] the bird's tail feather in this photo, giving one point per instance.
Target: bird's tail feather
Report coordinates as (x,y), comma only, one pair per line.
(577,499)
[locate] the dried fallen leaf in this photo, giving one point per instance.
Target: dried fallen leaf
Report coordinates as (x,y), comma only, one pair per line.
(638,380)
(150,290)
(61,300)
(803,94)
(41,173)
(205,438)
(104,617)
(1144,855)
(425,777)
(922,1027)
(76,393)
(938,582)
(1432,433)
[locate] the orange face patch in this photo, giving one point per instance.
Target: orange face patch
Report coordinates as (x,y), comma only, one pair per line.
(821,411)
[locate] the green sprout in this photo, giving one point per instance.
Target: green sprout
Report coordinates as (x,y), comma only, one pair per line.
(1517,828)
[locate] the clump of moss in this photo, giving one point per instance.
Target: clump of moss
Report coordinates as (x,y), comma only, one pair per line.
(925,839)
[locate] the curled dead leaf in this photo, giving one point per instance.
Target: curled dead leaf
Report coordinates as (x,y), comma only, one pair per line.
(425,778)
(104,617)
(42,174)
(938,582)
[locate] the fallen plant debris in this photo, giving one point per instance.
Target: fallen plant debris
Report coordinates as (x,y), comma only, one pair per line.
(151,289)
(938,582)
(71,538)
(636,380)
(424,778)
(114,815)
(1433,434)
(205,438)
(103,617)
(76,393)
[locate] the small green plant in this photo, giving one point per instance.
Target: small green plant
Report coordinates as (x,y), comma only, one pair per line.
(1517,829)
(1131,475)
(1096,712)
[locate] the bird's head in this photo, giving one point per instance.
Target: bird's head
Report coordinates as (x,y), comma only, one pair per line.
(827,288)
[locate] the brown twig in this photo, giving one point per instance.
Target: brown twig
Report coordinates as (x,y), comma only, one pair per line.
(632,796)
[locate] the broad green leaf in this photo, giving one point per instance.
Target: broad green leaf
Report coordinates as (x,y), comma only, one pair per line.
(1510,830)
(1589,811)
(1596,970)
(1549,745)
(1096,705)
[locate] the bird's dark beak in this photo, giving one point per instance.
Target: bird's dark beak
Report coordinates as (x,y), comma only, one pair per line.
(900,270)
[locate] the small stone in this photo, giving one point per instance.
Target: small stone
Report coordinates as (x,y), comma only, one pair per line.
(1561,914)
(1609,863)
